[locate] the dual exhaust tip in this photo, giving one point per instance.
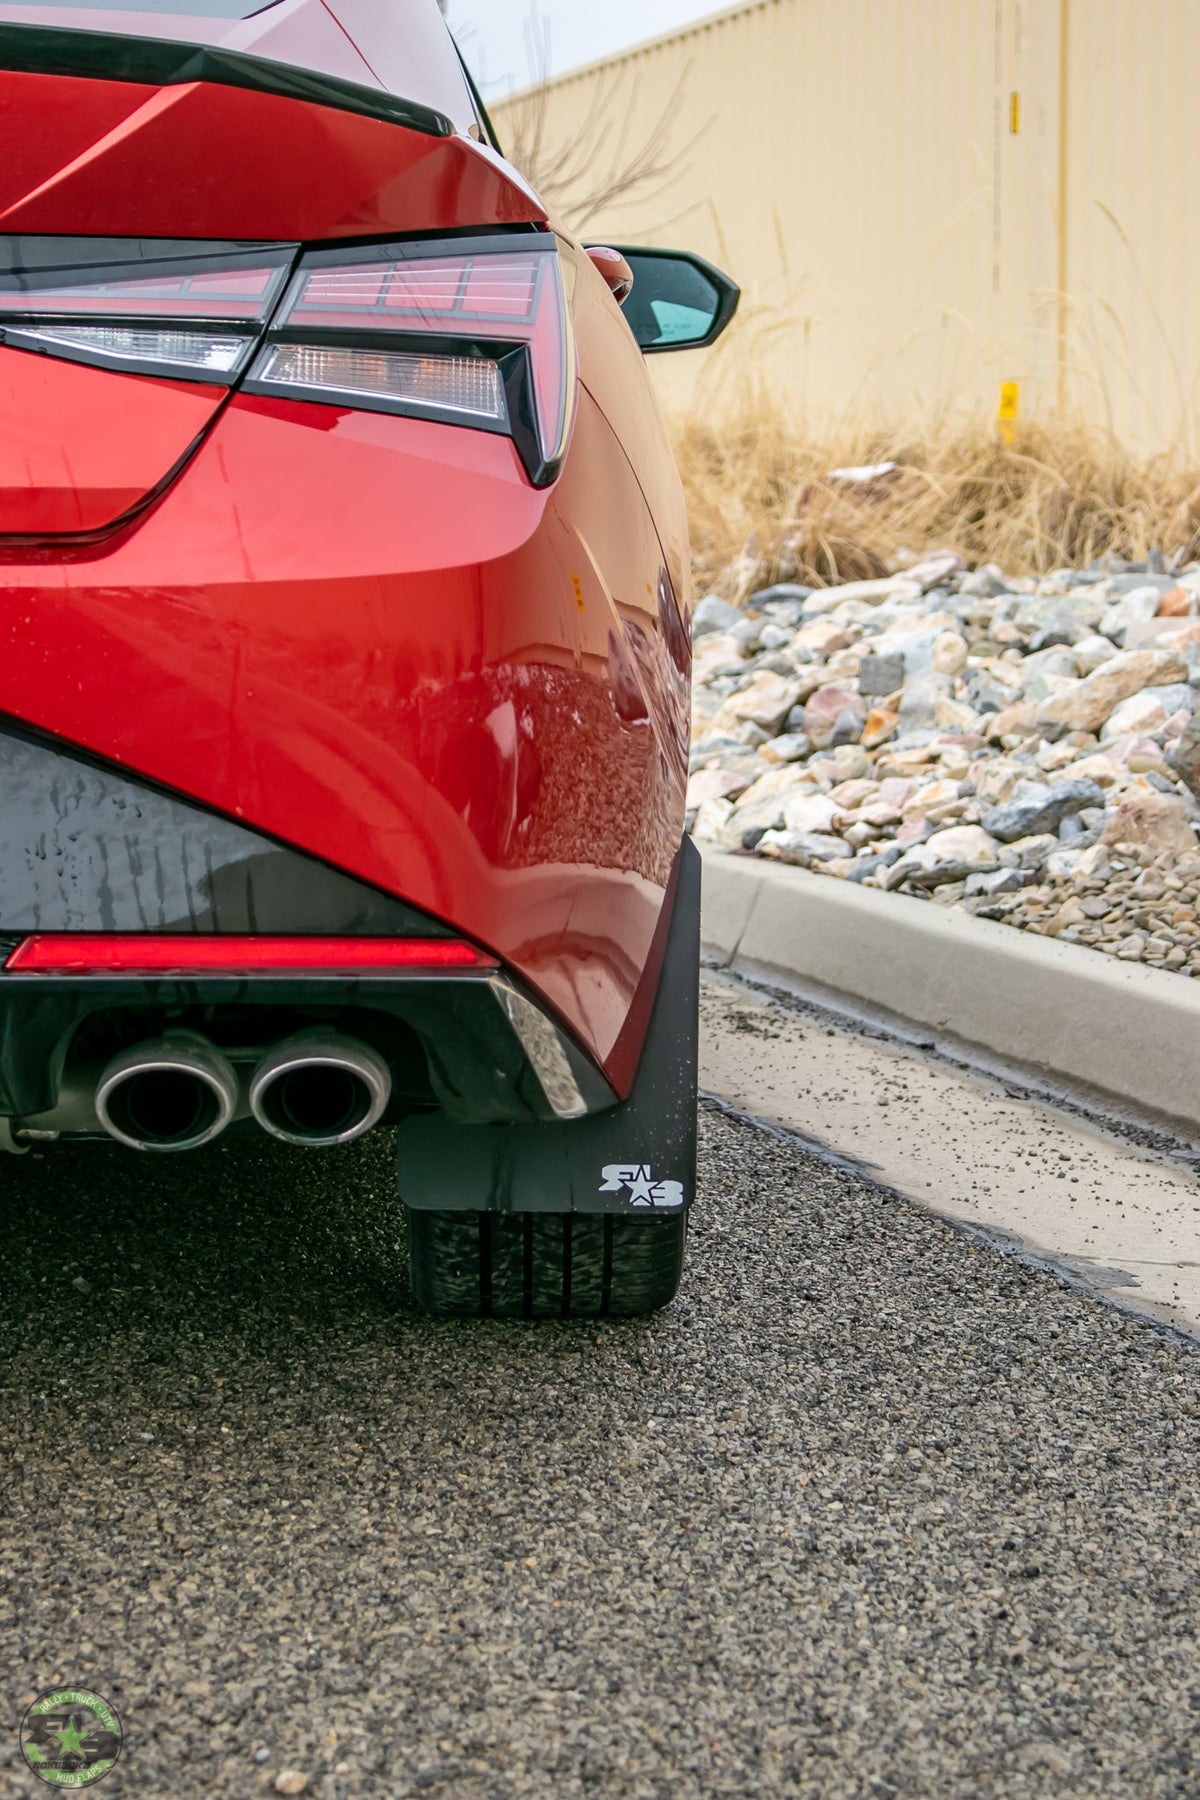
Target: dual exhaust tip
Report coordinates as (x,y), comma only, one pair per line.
(318,1089)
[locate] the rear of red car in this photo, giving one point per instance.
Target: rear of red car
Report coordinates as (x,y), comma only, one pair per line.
(343,646)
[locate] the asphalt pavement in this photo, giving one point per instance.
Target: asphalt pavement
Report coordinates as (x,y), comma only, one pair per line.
(876,1509)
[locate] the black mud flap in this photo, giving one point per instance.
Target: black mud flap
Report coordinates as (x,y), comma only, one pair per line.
(638,1157)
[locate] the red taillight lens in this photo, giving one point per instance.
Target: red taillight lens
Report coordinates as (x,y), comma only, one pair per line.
(199,290)
(91,954)
(174,309)
(482,292)
(476,332)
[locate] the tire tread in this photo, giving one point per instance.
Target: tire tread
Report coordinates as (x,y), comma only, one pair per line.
(543,1265)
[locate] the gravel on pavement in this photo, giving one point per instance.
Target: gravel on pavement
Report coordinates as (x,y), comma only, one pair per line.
(874,1510)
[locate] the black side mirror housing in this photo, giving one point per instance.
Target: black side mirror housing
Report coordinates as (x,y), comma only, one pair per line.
(679,301)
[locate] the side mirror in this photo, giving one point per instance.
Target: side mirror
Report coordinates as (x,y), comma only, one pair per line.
(679,301)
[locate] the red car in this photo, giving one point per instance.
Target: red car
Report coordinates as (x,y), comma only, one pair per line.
(344,639)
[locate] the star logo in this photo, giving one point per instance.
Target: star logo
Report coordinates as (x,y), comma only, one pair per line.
(643,1191)
(641,1188)
(70,1737)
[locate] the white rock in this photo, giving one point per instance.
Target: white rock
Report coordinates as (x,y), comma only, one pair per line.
(761,806)
(711,819)
(1091,864)
(891,587)
(932,800)
(1141,715)
(934,569)
(809,812)
(1090,652)
(774,637)
(955,715)
(948,855)
(1099,768)
(765,701)
(1130,609)
(712,653)
(985,583)
(802,847)
(1090,701)
(851,762)
(948,654)
(714,784)
(1058,660)
(822,637)
(787,749)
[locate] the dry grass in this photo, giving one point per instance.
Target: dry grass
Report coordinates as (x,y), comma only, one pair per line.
(763,508)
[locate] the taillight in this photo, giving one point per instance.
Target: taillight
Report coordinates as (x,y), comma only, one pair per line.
(473,332)
(150,307)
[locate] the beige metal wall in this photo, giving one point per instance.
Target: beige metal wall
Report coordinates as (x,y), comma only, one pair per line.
(902,248)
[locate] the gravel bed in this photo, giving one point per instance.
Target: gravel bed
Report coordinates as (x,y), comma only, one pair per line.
(874,1510)
(1027,750)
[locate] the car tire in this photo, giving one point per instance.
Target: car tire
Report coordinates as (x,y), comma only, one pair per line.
(479,1265)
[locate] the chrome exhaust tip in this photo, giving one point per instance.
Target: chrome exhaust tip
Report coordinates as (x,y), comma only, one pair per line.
(175,1093)
(320,1089)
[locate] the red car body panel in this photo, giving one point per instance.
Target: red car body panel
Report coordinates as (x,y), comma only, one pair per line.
(460,693)
(80,447)
(368,636)
(254,166)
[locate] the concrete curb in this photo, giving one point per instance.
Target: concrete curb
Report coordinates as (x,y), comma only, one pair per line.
(1068,1013)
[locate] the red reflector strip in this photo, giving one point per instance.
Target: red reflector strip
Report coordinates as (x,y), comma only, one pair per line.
(81,953)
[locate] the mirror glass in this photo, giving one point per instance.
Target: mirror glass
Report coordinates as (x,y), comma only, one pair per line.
(674,304)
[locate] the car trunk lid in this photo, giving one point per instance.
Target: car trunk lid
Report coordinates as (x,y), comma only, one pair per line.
(201,147)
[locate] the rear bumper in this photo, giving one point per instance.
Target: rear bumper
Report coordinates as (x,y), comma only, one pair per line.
(370,640)
(471,1046)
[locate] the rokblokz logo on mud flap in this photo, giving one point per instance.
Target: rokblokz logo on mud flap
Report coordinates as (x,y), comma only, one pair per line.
(644,1191)
(70,1737)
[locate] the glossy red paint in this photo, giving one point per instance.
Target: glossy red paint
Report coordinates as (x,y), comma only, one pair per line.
(398,46)
(258,166)
(82,954)
(82,446)
(371,638)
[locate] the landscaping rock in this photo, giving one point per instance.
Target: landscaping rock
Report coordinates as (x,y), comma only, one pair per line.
(1034,808)
(825,715)
(967,738)
(712,614)
(879,676)
(949,855)
(765,701)
(1087,706)
(1159,821)
(803,847)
